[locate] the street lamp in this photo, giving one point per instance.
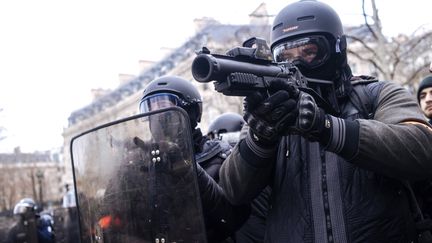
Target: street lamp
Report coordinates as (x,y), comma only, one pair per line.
(40,176)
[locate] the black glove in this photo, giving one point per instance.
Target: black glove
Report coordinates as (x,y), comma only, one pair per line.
(311,120)
(269,117)
(287,111)
(315,125)
(291,111)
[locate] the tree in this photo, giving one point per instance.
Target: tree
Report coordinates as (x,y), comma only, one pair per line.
(403,59)
(2,129)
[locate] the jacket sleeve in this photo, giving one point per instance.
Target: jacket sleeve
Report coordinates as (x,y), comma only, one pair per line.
(222,218)
(398,141)
(245,173)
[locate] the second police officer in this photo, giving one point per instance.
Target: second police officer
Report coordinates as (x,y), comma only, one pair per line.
(227,127)
(222,218)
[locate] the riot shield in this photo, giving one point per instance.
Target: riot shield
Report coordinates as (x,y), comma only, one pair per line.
(135,180)
(66,225)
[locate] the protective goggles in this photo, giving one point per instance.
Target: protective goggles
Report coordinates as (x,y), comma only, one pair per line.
(309,51)
(159,101)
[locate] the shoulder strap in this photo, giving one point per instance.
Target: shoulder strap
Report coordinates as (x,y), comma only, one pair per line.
(362,97)
(212,148)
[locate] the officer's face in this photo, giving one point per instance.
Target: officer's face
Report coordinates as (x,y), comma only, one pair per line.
(165,125)
(307,53)
(426,101)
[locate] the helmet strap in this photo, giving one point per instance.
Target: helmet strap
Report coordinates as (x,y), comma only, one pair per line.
(194,115)
(341,44)
(338,49)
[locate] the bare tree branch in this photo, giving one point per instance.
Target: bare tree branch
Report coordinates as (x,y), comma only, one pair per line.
(365,45)
(401,59)
(366,21)
(376,18)
(367,60)
(414,42)
(418,29)
(2,129)
(419,70)
(396,60)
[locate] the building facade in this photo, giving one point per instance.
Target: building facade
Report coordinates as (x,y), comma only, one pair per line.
(35,175)
(124,100)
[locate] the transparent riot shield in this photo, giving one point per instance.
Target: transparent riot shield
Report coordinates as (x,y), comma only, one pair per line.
(135,180)
(20,228)
(66,225)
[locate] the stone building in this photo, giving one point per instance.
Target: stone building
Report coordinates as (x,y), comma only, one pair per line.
(37,175)
(124,100)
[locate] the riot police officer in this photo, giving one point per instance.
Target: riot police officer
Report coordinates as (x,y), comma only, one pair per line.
(32,226)
(336,174)
(25,229)
(227,127)
(222,218)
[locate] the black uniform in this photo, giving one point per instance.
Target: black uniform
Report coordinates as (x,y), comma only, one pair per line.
(320,195)
(211,154)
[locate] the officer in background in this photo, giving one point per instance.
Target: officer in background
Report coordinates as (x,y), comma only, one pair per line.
(336,174)
(25,229)
(45,228)
(32,227)
(227,127)
(222,219)
(424,97)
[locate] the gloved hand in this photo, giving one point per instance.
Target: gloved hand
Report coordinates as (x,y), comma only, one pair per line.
(287,111)
(269,117)
(311,120)
(291,111)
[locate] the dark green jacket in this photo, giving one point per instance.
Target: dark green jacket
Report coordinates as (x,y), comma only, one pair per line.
(319,196)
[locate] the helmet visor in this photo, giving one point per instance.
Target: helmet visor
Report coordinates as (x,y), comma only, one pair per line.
(22,208)
(158,101)
(310,51)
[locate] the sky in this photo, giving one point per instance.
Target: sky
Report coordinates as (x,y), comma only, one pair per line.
(53,52)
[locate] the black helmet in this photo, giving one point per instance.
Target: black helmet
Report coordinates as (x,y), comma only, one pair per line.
(227,122)
(305,24)
(226,127)
(304,18)
(173,90)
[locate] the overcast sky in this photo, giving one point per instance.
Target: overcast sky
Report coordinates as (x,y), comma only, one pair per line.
(53,52)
